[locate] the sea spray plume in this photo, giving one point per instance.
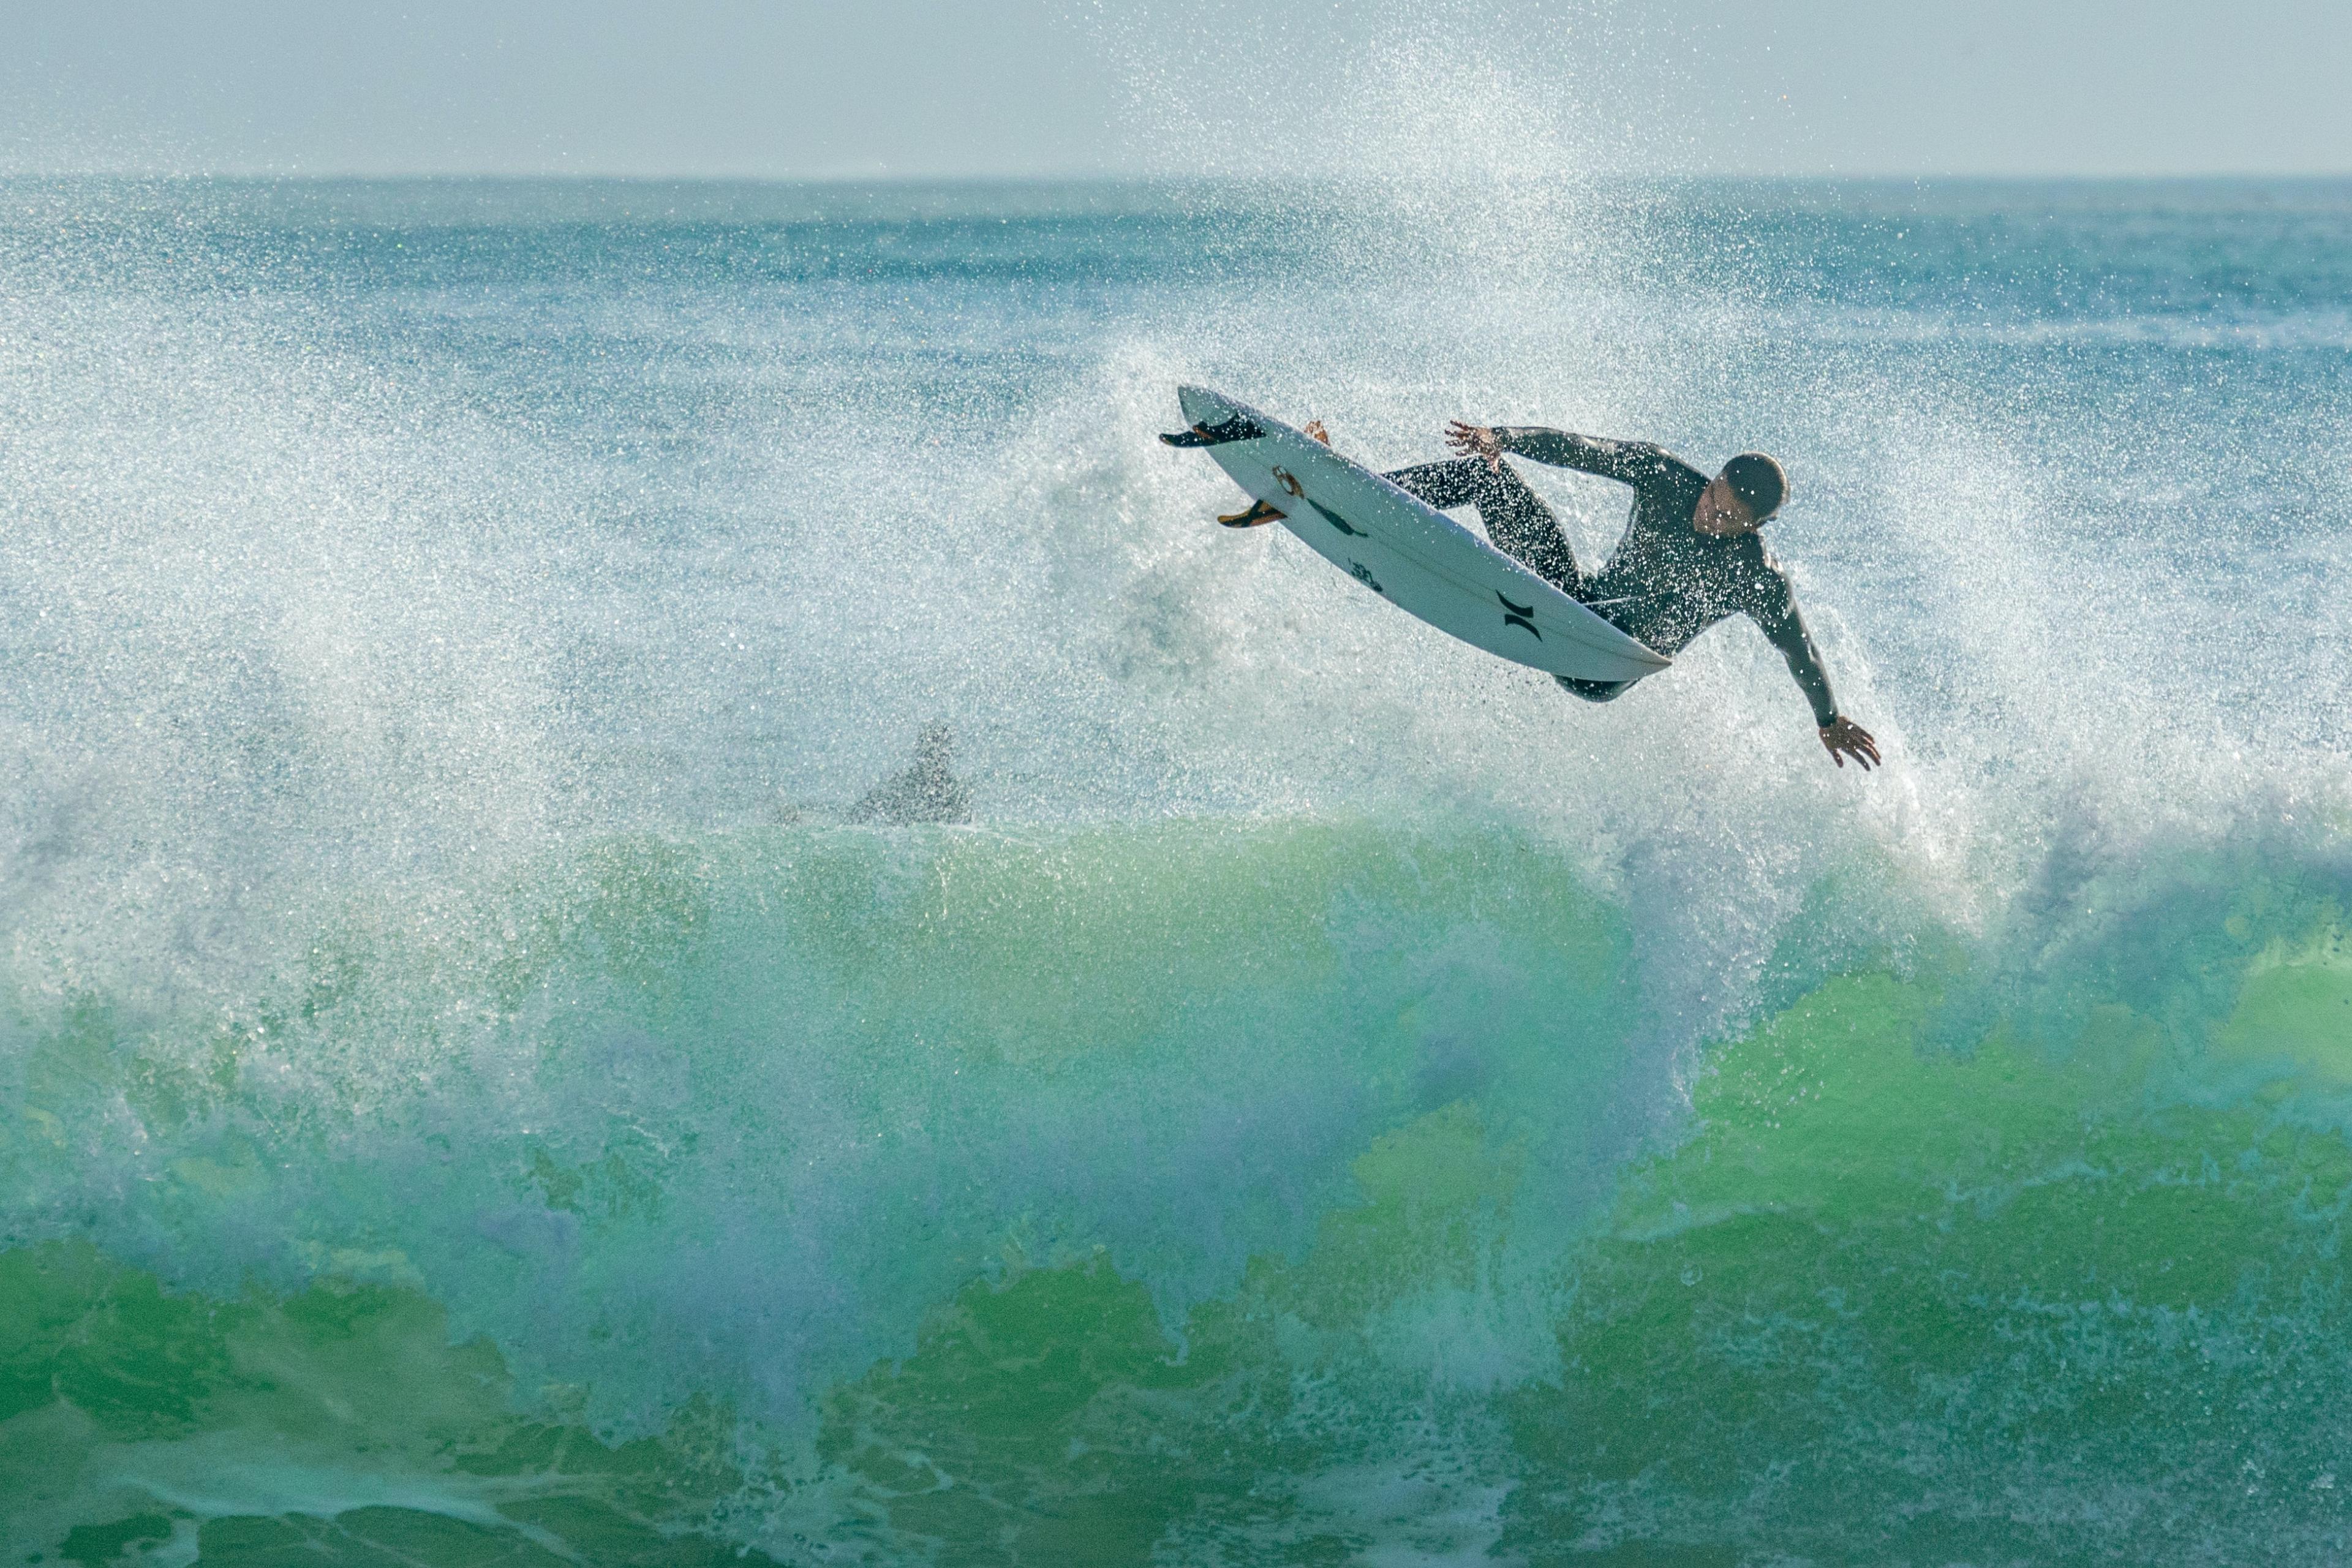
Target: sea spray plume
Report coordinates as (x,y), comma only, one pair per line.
(1382,90)
(266,647)
(1460,143)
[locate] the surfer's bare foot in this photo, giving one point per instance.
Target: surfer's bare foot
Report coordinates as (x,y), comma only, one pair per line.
(1258,515)
(1314,428)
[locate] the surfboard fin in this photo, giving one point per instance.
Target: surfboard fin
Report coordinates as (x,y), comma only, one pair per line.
(1257,516)
(1237,429)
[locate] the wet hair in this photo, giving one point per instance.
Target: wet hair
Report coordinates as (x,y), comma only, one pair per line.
(1757,481)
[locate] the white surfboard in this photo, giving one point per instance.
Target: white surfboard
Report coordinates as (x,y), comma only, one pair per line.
(1408,551)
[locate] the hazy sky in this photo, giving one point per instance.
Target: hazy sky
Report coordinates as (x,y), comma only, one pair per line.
(911,88)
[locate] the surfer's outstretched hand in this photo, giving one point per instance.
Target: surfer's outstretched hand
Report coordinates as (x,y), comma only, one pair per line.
(1845,739)
(1475,441)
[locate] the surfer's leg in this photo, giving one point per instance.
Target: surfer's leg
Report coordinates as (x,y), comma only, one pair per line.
(1523,528)
(1515,517)
(1593,690)
(1447,484)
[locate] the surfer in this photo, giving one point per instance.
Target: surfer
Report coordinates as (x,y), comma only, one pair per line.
(1690,557)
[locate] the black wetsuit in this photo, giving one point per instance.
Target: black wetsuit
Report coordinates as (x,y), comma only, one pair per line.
(1666,583)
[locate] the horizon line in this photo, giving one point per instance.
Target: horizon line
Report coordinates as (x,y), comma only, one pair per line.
(889,177)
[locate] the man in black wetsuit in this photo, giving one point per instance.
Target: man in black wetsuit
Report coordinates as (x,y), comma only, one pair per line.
(1690,555)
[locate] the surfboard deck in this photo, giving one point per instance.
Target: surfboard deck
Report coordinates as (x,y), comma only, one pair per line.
(1408,551)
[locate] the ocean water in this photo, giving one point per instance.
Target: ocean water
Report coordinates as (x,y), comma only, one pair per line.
(470,1094)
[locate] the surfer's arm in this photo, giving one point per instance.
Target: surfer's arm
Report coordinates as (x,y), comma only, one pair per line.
(1841,736)
(1775,611)
(1630,462)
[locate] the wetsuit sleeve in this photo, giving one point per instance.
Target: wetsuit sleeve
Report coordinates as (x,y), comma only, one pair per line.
(1631,462)
(1774,608)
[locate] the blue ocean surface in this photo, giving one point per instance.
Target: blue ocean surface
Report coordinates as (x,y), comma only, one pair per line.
(472,1090)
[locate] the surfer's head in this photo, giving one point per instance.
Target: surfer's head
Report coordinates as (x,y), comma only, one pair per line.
(1737,501)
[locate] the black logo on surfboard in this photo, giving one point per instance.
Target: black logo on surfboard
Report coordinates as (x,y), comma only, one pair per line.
(1513,615)
(1363,574)
(1335,520)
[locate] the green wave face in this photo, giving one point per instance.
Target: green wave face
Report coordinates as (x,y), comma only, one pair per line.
(1197,1193)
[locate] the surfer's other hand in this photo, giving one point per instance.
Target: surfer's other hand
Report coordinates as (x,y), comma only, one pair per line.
(1475,441)
(1315,427)
(1845,739)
